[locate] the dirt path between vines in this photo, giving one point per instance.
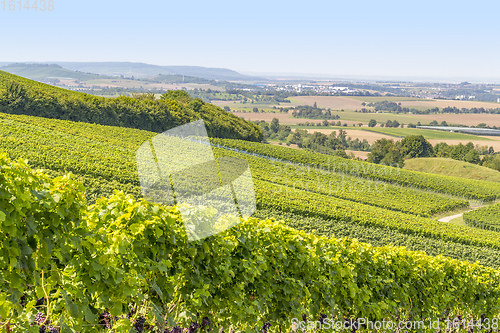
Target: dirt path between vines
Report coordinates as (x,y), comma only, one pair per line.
(449,218)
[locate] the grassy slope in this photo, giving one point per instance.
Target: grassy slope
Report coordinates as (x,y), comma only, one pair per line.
(449,167)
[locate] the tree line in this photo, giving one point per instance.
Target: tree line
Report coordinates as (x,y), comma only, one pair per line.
(386,151)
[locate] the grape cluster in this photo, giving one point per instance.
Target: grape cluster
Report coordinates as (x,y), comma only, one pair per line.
(48,329)
(352,323)
(322,318)
(265,327)
(304,317)
(105,319)
(193,327)
(176,329)
(131,313)
(40,318)
(139,324)
(206,322)
(52,329)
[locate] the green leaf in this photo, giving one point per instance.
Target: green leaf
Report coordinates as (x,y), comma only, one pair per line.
(89,316)
(116,309)
(171,322)
(71,306)
(30,224)
(158,313)
(57,197)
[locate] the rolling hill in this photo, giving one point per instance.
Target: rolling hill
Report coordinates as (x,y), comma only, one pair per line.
(450,167)
(47,71)
(147,70)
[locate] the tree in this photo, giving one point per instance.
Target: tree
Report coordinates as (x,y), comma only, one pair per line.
(325,122)
(372,123)
(315,106)
(227,108)
(275,125)
(364,104)
(433,123)
(385,151)
(492,162)
(491,151)
(360,124)
(395,123)
(410,125)
(339,123)
(256,110)
(472,157)
(444,123)
(458,152)
(414,146)
(388,123)
(442,149)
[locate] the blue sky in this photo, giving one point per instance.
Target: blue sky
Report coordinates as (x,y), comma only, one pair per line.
(384,38)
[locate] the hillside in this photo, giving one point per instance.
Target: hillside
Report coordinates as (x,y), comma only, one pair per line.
(450,167)
(43,71)
(22,96)
(324,201)
(108,258)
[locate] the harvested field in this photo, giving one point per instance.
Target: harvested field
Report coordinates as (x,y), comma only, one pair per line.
(463,119)
(495,144)
(371,137)
(357,153)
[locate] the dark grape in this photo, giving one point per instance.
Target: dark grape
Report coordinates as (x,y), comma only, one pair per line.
(105,319)
(40,318)
(206,322)
(193,327)
(40,301)
(304,317)
(139,324)
(265,327)
(176,329)
(52,329)
(42,329)
(322,318)
(132,312)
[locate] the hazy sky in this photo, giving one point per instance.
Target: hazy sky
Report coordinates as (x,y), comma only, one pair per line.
(393,38)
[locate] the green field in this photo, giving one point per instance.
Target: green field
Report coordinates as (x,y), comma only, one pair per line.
(449,167)
(428,134)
